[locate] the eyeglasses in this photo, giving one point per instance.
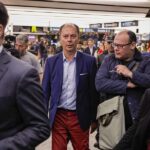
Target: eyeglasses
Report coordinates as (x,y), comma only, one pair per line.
(120,45)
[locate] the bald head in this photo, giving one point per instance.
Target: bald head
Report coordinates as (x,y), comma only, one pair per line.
(128,34)
(125,45)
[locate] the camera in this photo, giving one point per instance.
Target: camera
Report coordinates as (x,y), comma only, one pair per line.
(9,45)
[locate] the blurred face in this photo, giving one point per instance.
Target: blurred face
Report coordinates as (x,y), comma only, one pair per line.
(123,49)
(85,43)
(108,46)
(79,46)
(21,47)
(69,38)
(90,43)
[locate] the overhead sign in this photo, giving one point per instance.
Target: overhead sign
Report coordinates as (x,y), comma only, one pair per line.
(129,23)
(96,26)
(112,24)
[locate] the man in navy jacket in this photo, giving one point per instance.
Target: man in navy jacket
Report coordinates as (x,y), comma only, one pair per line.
(125,72)
(68,85)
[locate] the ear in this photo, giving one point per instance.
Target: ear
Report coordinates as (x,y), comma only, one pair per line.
(133,45)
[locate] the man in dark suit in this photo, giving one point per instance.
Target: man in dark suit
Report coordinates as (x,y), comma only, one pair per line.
(68,84)
(91,48)
(23,117)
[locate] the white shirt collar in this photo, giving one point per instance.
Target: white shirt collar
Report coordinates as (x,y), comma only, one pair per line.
(1,48)
(64,58)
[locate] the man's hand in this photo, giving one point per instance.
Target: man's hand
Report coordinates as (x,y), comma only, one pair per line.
(93,127)
(131,85)
(123,70)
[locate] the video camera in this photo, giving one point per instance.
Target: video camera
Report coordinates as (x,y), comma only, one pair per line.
(9,44)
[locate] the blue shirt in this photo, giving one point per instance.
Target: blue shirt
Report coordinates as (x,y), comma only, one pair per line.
(68,95)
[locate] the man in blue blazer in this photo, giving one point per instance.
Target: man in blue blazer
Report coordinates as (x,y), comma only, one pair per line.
(23,118)
(68,85)
(91,48)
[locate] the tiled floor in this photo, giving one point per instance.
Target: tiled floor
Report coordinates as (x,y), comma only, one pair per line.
(47,144)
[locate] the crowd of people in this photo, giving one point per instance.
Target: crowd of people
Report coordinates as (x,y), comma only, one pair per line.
(49,89)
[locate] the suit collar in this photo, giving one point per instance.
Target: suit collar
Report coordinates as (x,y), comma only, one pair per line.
(4,57)
(4,60)
(59,65)
(79,66)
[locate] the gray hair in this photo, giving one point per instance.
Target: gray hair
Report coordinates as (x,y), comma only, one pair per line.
(22,38)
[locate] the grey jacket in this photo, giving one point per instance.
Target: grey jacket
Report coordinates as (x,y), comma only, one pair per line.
(23,117)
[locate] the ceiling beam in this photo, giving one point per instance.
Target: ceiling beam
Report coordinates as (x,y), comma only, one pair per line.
(75,6)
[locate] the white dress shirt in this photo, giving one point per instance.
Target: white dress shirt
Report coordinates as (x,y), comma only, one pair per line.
(1,48)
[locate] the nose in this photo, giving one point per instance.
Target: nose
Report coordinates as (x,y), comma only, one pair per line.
(69,38)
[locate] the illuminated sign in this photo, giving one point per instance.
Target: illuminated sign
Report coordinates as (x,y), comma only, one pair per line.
(112,24)
(95,26)
(129,23)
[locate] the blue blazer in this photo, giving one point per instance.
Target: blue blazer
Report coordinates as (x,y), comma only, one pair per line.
(87,97)
(87,51)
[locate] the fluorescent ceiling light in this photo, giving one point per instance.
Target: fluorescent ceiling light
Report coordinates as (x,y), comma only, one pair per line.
(106,1)
(71,13)
(128,1)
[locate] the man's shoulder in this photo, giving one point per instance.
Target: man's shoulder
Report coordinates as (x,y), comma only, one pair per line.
(55,57)
(30,55)
(86,56)
(19,65)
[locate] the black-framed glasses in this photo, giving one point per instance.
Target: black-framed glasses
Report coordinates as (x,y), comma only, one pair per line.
(120,45)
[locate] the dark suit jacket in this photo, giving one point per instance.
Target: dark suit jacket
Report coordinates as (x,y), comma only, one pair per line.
(87,50)
(86,101)
(23,117)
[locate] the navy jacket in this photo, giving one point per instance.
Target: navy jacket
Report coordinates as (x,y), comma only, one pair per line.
(111,83)
(87,51)
(87,98)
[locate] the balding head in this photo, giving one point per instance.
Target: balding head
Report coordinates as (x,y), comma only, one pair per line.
(69,25)
(125,45)
(130,34)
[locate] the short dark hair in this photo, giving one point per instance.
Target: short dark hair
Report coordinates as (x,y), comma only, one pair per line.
(69,24)
(132,36)
(3,15)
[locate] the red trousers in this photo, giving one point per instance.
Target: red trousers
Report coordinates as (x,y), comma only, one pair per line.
(66,125)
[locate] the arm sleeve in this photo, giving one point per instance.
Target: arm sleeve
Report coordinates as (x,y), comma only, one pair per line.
(46,84)
(141,76)
(104,83)
(29,101)
(94,93)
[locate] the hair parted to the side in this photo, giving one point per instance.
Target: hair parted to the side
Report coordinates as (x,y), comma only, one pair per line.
(3,15)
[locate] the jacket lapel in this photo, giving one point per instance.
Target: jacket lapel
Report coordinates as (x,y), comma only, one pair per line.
(4,60)
(60,69)
(79,66)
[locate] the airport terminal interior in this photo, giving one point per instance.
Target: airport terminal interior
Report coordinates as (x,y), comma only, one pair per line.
(98,17)
(99,20)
